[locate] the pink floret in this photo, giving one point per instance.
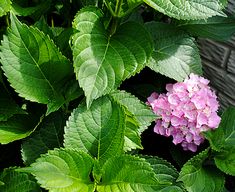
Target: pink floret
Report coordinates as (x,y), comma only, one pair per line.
(186,110)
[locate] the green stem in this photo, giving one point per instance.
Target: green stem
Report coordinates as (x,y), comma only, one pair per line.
(52,22)
(118,7)
(109,8)
(115,21)
(8,20)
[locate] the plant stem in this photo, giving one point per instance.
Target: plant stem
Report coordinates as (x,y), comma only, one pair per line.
(118,7)
(116,17)
(109,8)
(7,20)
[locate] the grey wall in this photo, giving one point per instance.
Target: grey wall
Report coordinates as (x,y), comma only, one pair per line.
(218,60)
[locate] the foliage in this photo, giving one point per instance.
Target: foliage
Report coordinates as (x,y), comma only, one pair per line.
(71,81)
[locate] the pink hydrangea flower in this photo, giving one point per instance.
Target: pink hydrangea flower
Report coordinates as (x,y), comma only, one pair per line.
(186,110)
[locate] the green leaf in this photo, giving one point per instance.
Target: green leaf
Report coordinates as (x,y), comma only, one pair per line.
(217,28)
(175,53)
(62,41)
(165,173)
(49,135)
(15,128)
(224,135)
(129,174)
(225,160)
(138,118)
(42,9)
(199,177)
(188,9)
(132,139)
(63,170)
(42,25)
(8,107)
(135,107)
(5,6)
(15,181)
(98,130)
(101,60)
(33,65)
(72,90)
(26,11)
(223,2)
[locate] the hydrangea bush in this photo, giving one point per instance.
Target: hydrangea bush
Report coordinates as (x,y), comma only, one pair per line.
(74,80)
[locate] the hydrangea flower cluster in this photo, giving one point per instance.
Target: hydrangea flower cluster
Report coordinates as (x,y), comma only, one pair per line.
(186,110)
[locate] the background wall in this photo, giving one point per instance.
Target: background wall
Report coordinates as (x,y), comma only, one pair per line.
(218,60)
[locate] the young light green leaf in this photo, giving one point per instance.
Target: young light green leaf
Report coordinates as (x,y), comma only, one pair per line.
(15,181)
(165,173)
(217,28)
(33,65)
(225,160)
(199,177)
(135,107)
(224,135)
(223,2)
(129,174)
(5,6)
(15,128)
(175,53)
(98,130)
(103,60)
(49,135)
(8,107)
(188,9)
(63,170)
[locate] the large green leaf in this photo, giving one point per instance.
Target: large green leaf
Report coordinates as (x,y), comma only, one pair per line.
(33,65)
(98,130)
(165,173)
(199,177)
(15,181)
(8,107)
(218,28)
(129,174)
(225,160)
(134,106)
(224,135)
(175,53)
(63,170)
(188,9)
(15,128)
(49,135)
(5,6)
(102,60)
